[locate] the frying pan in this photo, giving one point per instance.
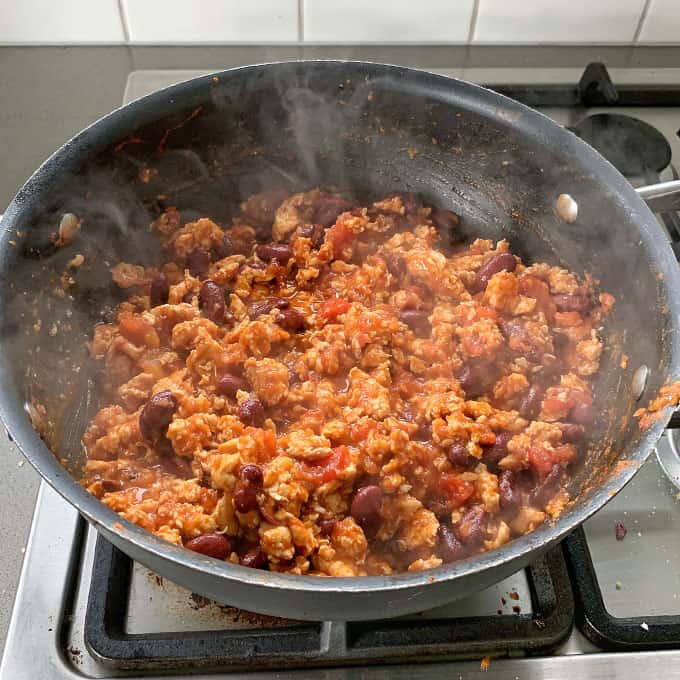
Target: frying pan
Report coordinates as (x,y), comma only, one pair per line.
(365,129)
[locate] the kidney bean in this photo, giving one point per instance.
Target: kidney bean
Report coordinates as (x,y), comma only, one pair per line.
(290,320)
(531,403)
(252,474)
(326,526)
(546,489)
(213,545)
(226,247)
(198,261)
(445,220)
(245,497)
(396,265)
(314,232)
(492,455)
(229,384)
(417,320)
(328,210)
(281,252)
(160,290)
(251,412)
(571,432)
(366,505)
(157,414)
(583,413)
(458,454)
(254,557)
(498,263)
(620,531)
(573,303)
(211,301)
(476,379)
(449,548)
(265,306)
(472,525)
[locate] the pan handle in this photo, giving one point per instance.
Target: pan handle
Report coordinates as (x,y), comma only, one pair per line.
(661,197)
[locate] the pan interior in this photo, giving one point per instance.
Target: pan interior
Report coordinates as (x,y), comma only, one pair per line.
(362,129)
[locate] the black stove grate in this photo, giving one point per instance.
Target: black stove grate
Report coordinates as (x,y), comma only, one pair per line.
(324,644)
(596,623)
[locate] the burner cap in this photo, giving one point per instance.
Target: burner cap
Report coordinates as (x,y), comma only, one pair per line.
(632,146)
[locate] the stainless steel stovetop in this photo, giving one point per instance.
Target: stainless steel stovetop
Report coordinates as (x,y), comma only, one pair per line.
(639,576)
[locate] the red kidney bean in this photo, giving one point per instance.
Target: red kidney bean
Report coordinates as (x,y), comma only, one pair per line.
(366,505)
(198,261)
(492,455)
(583,413)
(445,220)
(251,412)
(226,247)
(328,210)
(160,290)
(458,454)
(265,306)
(290,320)
(245,497)
(254,557)
(449,548)
(396,265)
(157,415)
(531,403)
(326,526)
(471,528)
(252,474)
(417,320)
(211,301)
(476,379)
(281,252)
(571,432)
(546,489)
(573,303)
(314,232)
(229,384)
(498,263)
(213,545)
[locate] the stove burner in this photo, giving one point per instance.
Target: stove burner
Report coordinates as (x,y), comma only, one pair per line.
(633,147)
(336,643)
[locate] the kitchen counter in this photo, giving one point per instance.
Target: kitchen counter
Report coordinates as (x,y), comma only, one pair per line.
(50,93)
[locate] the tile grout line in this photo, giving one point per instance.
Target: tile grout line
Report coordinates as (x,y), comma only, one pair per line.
(124,21)
(641,22)
(473,20)
(301,21)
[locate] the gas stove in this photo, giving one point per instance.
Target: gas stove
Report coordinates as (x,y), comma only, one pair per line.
(603,604)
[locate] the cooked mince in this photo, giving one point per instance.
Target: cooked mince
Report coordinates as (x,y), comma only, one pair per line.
(348,397)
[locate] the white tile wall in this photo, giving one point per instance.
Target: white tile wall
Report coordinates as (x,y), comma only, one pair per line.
(387,21)
(216,21)
(60,21)
(338,21)
(662,23)
(565,21)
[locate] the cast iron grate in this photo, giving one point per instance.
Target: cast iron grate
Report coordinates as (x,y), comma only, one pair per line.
(592,617)
(326,643)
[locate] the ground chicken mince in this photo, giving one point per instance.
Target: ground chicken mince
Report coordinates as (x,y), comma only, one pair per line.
(326,389)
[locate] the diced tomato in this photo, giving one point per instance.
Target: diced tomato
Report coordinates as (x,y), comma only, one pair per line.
(339,235)
(331,309)
(567,319)
(532,287)
(541,460)
(326,469)
(138,330)
(456,491)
